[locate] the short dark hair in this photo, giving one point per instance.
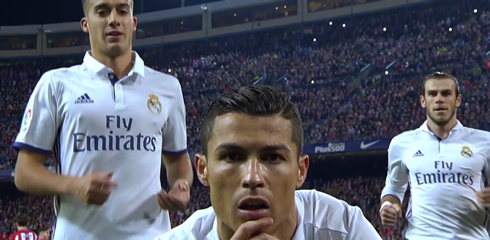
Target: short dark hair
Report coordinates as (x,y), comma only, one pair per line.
(22,220)
(440,76)
(256,100)
(84,6)
(85,2)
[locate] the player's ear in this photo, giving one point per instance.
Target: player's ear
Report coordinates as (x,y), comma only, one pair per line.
(135,24)
(303,164)
(201,168)
(422,101)
(84,24)
(458,100)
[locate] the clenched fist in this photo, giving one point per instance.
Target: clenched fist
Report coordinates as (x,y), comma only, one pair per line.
(177,198)
(390,213)
(253,230)
(94,188)
(484,196)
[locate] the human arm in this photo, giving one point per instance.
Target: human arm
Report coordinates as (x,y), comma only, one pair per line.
(175,157)
(31,176)
(35,140)
(483,194)
(397,176)
(178,168)
(38,135)
(396,184)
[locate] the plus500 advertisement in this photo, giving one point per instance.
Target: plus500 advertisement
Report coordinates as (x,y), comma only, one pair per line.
(348,146)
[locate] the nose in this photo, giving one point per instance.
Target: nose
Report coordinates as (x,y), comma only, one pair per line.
(253,175)
(439,98)
(114,19)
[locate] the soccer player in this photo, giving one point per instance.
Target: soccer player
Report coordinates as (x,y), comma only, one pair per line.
(445,165)
(252,140)
(23,233)
(109,123)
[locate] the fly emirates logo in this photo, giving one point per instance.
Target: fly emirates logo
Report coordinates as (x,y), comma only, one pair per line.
(443,173)
(108,141)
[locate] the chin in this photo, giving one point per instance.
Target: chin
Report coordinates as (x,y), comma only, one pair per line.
(114,51)
(441,122)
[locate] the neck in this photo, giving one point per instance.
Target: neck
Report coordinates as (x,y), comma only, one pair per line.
(441,131)
(21,228)
(121,65)
(284,230)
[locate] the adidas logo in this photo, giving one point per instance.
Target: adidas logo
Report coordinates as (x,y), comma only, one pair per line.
(418,154)
(84,99)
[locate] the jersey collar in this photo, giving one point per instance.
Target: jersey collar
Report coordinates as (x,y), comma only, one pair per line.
(457,127)
(93,65)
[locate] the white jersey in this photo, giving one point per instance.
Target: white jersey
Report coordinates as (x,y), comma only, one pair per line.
(94,122)
(443,176)
(320,217)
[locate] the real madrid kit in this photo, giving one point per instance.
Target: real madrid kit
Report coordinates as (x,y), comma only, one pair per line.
(93,122)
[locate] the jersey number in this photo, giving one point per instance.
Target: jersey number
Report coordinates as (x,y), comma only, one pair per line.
(28,236)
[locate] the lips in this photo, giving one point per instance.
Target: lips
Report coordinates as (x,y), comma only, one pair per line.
(252,208)
(114,34)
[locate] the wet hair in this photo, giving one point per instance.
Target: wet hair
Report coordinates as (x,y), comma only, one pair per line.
(257,101)
(441,76)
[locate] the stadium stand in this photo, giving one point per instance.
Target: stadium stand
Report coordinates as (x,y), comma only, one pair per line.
(352,82)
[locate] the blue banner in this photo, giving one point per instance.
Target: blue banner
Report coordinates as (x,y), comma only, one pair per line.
(348,146)
(7,174)
(310,149)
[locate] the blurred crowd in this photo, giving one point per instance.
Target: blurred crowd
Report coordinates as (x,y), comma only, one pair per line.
(359,191)
(352,79)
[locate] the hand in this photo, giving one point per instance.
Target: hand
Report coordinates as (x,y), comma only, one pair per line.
(94,188)
(390,214)
(177,198)
(253,230)
(484,196)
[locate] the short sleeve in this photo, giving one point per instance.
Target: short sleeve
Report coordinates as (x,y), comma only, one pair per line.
(175,130)
(397,177)
(486,169)
(359,227)
(39,124)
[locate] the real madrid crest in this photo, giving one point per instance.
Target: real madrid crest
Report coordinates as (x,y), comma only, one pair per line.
(466,152)
(153,104)
(27,120)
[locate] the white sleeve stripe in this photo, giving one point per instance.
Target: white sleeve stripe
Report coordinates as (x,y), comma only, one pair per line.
(19,145)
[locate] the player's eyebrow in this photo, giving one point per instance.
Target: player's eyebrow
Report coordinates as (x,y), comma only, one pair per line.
(277,148)
(269,148)
(229,146)
(106,6)
(442,91)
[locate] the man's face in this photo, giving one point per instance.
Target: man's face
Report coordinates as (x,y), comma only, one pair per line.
(254,158)
(110,24)
(45,234)
(440,100)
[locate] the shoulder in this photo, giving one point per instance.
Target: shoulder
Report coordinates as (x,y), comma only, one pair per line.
(58,76)
(160,77)
(477,140)
(404,139)
(326,212)
(60,73)
(477,135)
(197,226)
